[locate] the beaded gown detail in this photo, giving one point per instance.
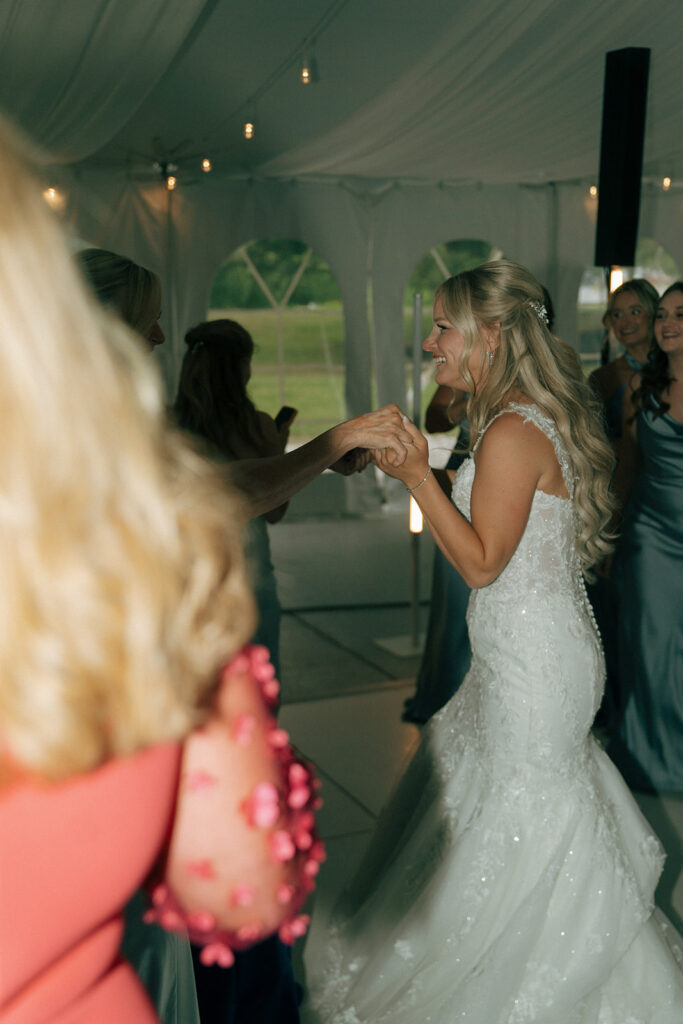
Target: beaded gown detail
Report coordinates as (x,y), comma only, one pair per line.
(511,876)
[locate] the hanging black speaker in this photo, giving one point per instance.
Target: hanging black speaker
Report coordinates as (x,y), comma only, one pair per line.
(621,156)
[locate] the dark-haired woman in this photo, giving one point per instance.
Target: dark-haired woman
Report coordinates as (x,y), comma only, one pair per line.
(213,403)
(647,570)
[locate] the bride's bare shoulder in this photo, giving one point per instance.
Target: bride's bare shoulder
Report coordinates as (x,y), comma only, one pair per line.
(512,435)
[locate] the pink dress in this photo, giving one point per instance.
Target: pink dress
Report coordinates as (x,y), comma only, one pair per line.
(60,926)
(231,810)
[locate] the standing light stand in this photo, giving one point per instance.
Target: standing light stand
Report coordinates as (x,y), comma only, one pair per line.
(415,515)
(409,646)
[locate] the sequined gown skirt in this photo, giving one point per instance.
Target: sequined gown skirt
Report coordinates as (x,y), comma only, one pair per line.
(511,876)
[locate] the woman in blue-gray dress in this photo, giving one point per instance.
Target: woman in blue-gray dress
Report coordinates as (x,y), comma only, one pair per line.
(649,565)
(629,317)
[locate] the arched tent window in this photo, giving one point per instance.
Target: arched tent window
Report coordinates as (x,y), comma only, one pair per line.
(287,298)
(440,262)
(653,262)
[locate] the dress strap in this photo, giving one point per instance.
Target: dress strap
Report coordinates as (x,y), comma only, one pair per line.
(533,414)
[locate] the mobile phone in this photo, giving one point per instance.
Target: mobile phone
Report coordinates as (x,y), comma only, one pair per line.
(285,416)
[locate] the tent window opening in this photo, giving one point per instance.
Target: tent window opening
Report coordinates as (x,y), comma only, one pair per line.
(286,296)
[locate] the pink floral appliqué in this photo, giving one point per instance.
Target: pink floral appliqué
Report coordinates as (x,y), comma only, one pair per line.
(262,807)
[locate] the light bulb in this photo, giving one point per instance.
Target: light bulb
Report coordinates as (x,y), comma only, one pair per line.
(171,183)
(666,184)
(309,69)
(248,130)
(593,190)
(55,199)
(206,165)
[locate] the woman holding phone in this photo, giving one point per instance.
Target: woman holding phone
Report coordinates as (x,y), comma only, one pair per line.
(213,402)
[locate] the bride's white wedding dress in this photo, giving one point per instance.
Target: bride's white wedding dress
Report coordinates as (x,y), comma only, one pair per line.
(511,877)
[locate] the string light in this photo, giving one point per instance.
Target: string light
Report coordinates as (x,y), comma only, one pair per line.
(249,129)
(171,183)
(593,190)
(54,198)
(309,69)
(666,184)
(206,165)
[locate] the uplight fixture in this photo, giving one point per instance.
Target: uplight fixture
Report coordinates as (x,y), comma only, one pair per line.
(593,191)
(616,278)
(249,129)
(666,184)
(206,165)
(171,183)
(415,520)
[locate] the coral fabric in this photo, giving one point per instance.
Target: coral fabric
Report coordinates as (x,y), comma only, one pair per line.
(232,813)
(71,855)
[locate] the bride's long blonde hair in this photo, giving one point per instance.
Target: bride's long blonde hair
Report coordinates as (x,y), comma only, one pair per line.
(122,589)
(532,360)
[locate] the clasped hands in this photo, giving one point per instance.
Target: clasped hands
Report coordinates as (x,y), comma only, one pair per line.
(413,467)
(388,438)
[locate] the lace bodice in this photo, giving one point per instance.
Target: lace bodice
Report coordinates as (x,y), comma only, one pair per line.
(536,613)
(545,560)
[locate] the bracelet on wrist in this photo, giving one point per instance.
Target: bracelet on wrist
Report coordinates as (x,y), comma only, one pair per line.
(422,481)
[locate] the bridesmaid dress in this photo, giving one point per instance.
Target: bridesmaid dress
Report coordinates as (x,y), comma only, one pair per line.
(649,583)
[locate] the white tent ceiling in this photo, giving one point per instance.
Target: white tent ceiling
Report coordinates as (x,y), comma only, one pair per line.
(430,120)
(484,90)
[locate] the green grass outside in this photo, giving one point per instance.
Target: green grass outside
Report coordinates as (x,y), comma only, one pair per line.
(314,362)
(309,336)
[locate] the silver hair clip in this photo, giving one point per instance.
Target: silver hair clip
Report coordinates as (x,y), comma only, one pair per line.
(540,310)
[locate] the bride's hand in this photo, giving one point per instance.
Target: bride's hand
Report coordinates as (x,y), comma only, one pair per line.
(416,463)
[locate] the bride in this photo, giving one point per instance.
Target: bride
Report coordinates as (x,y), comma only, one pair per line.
(511,877)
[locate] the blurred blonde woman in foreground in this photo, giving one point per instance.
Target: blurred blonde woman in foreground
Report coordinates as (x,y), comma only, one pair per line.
(123,615)
(511,878)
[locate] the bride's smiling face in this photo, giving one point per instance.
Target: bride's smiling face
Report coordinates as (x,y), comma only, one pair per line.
(446,344)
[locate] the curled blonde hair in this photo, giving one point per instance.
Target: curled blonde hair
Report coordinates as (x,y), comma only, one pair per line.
(121,573)
(533,361)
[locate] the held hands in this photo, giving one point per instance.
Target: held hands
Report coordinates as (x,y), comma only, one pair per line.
(354,461)
(412,469)
(383,429)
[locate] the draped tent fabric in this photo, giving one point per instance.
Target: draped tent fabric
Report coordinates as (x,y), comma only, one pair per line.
(510,92)
(444,120)
(67,73)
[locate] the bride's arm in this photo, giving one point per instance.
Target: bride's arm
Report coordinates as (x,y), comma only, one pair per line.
(510,463)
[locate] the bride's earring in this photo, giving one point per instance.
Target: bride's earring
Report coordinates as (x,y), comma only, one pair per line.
(489,358)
